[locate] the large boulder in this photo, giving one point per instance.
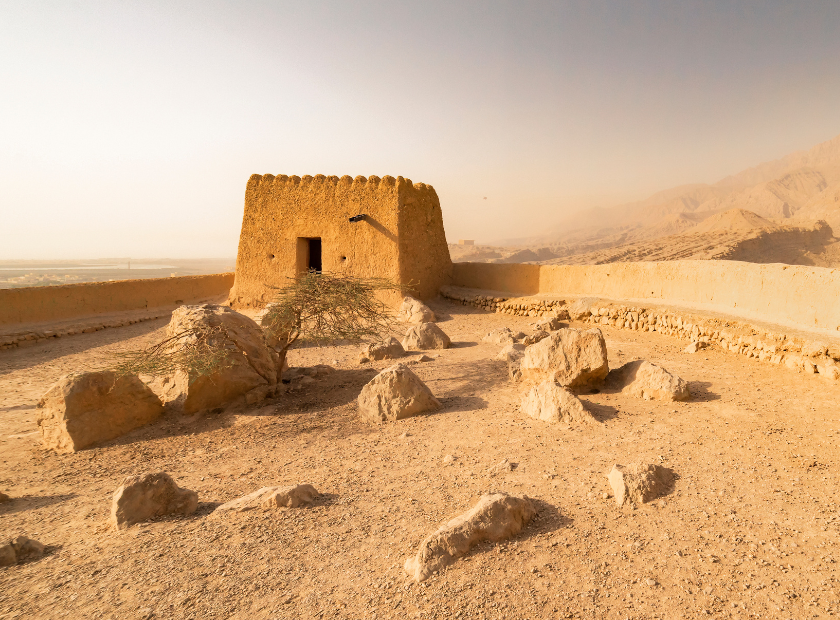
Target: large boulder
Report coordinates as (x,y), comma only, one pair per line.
(273,497)
(395,393)
(385,350)
(639,482)
(426,336)
(415,311)
(573,358)
(495,517)
(553,403)
(249,362)
(648,381)
(146,496)
(82,409)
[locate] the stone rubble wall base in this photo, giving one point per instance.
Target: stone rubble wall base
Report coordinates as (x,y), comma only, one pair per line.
(808,356)
(29,338)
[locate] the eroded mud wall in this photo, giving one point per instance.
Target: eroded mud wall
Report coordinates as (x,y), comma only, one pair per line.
(42,304)
(402,223)
(796,296)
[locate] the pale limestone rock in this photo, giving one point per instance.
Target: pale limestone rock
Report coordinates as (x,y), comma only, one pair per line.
(146,496)
(273,497)
(386,350)
(574,358)
(80,410)
(580,308)
(511,352)
(395,393)
(250,363)
(27,549)
(503,335)
(694,347)
(502,467)
(553,403)
(495,517)
(425,336)
(639,483)
(644,380)
(549,324)
(828,370)
(814,349)
(415,311)
(535,337)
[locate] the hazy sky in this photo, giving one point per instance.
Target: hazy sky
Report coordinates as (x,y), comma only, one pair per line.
(130,129)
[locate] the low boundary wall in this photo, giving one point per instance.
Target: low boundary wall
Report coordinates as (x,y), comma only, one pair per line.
(44,304)
(801,297)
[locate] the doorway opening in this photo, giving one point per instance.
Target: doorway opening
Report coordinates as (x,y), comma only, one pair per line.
(309,254)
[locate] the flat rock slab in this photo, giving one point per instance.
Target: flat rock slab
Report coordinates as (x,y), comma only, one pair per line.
(425,336)
(573,358)
(644,380)
(394,394)
(495,517)
(273,497)
(639,483)
(146,496)
(82,409)
(555,404)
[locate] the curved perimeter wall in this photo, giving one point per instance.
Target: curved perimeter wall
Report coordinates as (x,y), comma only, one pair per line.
(790,295)
(42,304)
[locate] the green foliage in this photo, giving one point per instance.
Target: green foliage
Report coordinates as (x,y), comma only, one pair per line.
(321,307)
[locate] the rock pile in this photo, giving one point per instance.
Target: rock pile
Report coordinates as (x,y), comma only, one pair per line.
(394,394)
(83,409)
(20,549)
(146,496)
(495,517)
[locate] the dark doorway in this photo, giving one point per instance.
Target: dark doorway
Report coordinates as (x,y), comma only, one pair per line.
(315,255)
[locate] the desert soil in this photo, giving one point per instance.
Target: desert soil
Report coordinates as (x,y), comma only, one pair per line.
(749,531)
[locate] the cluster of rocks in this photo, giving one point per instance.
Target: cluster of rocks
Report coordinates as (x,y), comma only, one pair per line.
(30,338)
(82,409)
(20,549)
(422,336)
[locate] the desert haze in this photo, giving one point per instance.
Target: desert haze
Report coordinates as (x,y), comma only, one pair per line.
(783,211)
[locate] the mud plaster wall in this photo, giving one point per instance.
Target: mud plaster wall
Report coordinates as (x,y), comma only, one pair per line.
(794,296)
(401,237)
(42,304)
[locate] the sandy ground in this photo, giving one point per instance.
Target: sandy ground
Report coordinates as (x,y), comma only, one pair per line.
(750,531)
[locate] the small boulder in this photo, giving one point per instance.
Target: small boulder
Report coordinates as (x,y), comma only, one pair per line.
(82,409)
(394,394)
(648,381)
(4,498)
(386,350)
(415,311)
(503,335)
(273,497)
(146,496)
(694,347)
(425,336)
(511,352)
(553,403)
(7,554)
(573,358)
(639,483)
(549,324)
(495,517)
(828,370)
(535,337)
(580,308)
(27,549)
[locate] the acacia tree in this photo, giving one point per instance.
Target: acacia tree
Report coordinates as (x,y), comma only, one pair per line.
(318,307)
